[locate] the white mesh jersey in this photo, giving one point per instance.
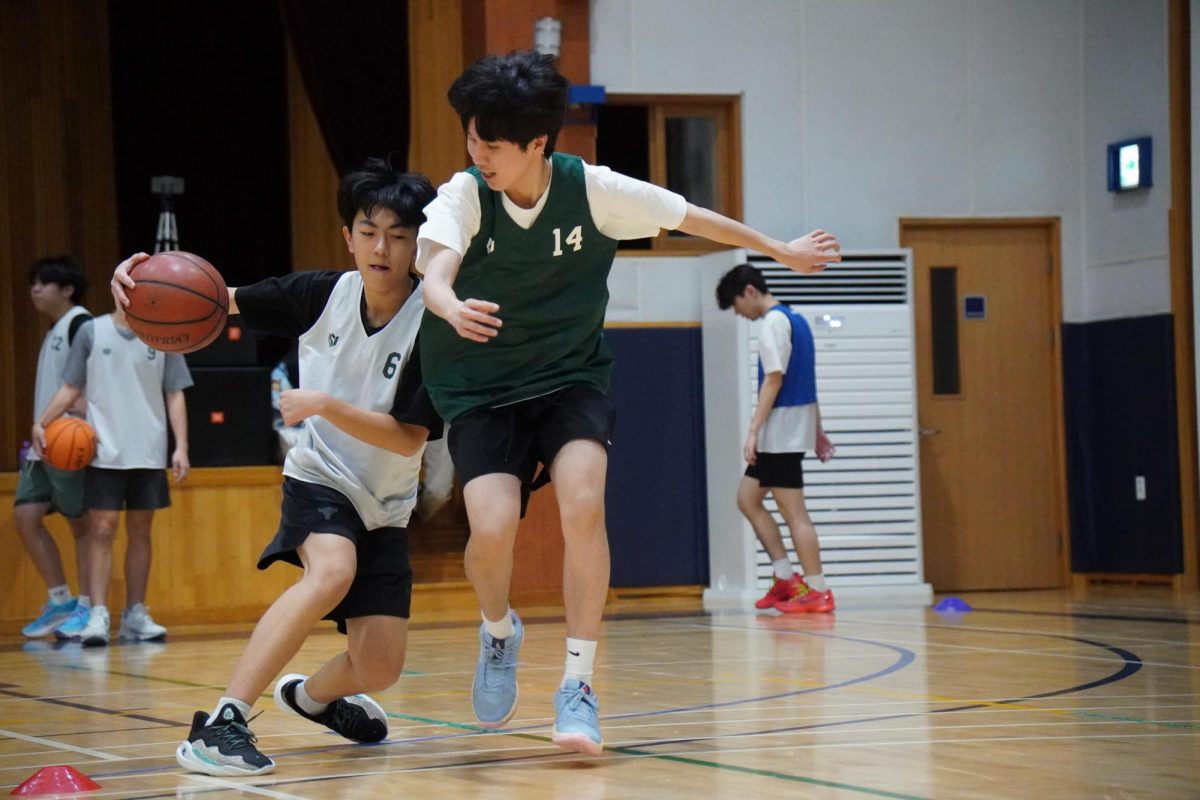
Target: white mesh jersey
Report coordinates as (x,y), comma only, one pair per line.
(125,399)
(339,358)
(51,360)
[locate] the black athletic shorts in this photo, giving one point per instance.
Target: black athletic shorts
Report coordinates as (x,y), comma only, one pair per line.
(107,489)
(515,438)
(383,581)
(778,470)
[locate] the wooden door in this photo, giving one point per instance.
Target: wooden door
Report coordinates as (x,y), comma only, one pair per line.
(989,402)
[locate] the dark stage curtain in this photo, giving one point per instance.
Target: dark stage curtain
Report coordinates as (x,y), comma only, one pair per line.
(353,58)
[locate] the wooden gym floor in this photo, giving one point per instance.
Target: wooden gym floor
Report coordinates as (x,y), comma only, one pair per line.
(1031,695)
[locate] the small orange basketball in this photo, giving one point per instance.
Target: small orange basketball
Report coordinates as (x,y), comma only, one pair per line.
(180,303)
(70,444)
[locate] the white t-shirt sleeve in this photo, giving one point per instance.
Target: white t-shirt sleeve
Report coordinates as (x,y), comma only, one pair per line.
(775,342)
(626,208)
(452,218)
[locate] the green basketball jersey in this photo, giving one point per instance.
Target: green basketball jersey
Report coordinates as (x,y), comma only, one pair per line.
(551,283)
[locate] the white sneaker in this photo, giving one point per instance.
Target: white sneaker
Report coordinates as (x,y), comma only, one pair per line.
(95,633)
(137,625)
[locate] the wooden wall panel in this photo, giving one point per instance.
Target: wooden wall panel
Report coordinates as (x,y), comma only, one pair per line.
(205,549)
(57,193)
(316,227)
(437,146)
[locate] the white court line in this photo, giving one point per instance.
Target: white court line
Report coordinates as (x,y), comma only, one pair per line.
(61,745)
(236,786)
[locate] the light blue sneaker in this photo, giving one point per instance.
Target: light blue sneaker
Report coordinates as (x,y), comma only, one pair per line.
(576,718)
(74,624)
(53,615)
(494,693)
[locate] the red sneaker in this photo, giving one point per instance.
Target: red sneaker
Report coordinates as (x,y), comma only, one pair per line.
(781,591)
(811,602)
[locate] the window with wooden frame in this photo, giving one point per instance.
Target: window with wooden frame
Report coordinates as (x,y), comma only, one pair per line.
(691,144)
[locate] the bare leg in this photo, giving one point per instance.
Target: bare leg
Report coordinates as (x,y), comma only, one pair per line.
(372,662)
(804,533)
(137,555)
(579,471)
(27,518)
(750,498)
(493,509)
(330,562)
(79,529)
(103,530)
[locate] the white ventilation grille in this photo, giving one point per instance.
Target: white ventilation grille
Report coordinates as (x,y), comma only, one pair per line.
(860,279)
(865,503)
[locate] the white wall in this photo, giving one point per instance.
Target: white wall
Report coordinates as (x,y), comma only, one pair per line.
(858,112)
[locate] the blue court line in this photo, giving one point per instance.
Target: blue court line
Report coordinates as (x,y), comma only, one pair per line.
(1131,664)
(1091,615)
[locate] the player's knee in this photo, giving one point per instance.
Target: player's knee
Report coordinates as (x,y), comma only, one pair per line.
(582,512)
(331,581)
(380,672)
(747,503)
(103,533)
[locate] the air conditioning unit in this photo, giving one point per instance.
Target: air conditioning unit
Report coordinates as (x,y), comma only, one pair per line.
(866,502)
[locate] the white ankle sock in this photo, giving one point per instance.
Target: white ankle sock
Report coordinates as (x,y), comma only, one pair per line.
(783,568)
(580,655)
(232,701)
(60,595)
(305,701)
(85,601)
(501,629)
(816,582)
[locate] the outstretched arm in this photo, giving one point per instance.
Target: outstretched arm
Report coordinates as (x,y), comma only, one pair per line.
(471,318)
(373,427)
(809,253)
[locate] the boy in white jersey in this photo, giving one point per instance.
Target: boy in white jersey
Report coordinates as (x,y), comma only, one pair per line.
(133,392)
(56,287)
(527,236)
(350,481)
(786,423)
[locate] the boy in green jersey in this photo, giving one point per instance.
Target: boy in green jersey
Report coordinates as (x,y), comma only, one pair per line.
(516,253)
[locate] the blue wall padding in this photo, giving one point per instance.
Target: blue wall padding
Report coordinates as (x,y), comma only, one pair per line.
(1119,390)
(656,498)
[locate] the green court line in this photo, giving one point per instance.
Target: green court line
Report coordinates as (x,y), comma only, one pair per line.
(766,773)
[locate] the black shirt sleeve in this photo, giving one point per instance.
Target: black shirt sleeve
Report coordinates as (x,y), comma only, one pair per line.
(78,320)
(412,404)
(287,305)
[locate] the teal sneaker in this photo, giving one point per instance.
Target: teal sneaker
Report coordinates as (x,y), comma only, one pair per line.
(74,624)
(53,615)
(494,693)
(576,718)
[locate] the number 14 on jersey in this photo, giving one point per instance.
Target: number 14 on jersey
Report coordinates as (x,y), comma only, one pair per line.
(575,238)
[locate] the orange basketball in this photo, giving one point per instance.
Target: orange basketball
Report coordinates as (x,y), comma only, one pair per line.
(180,303)
(70,444)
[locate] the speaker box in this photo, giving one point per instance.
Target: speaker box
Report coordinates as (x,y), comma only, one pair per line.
(235,347)
(229,417)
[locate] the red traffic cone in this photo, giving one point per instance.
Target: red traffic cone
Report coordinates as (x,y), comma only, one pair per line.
(56,780)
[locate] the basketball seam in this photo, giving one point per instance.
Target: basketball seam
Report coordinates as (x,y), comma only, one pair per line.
(223,301)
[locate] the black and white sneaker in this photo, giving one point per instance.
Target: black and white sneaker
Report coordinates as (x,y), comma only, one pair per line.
(357,717)
(223,747)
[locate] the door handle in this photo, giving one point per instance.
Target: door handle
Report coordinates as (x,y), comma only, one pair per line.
(923,431)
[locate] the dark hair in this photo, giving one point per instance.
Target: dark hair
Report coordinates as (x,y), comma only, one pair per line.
(63,270)
(734,283)
(377,183)
(515,98)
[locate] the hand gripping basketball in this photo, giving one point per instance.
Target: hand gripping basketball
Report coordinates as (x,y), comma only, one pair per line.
(178,304)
